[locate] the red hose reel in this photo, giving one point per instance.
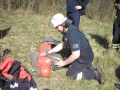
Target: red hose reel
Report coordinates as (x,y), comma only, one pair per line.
(44,62)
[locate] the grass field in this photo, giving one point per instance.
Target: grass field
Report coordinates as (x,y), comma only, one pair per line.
(29,30)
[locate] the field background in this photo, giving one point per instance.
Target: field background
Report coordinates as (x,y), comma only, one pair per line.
(29,22)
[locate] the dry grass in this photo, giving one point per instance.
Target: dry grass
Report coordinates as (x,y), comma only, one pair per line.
(29,30)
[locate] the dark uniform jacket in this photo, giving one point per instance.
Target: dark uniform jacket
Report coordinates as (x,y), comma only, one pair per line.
(72,3)
(75,40)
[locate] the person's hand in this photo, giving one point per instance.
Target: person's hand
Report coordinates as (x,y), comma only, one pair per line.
(118,6)
(78,7)
(43,54)
(59,63)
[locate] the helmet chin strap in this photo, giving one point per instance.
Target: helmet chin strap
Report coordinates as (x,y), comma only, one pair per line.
(64,31)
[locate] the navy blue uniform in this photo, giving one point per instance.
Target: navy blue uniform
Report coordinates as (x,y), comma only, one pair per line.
(116,25)
(74,14)
(75,40)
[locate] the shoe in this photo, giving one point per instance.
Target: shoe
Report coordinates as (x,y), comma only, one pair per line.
(117,85)
(99,77)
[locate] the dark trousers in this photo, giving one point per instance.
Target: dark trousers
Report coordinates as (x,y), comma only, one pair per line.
(75,17)
(83,65)
(116,30)
(88,74)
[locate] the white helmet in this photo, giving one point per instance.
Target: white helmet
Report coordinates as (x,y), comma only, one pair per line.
(57,19)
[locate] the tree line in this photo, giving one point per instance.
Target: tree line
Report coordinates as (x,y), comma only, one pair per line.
(96,9)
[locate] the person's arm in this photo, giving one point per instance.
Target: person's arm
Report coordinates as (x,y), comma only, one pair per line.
(82,5)
(70,59)
(75,55)
(74,45)
(57,48)
(54,50)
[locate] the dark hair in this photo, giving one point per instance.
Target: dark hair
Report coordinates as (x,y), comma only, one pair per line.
(66,23)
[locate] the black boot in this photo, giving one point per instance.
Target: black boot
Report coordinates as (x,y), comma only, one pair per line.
(99,77)
(117,85)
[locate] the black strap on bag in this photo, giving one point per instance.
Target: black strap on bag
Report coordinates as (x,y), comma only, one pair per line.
(18,81)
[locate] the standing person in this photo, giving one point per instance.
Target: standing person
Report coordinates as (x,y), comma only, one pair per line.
(75,9)
(116,26)
(80,52)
